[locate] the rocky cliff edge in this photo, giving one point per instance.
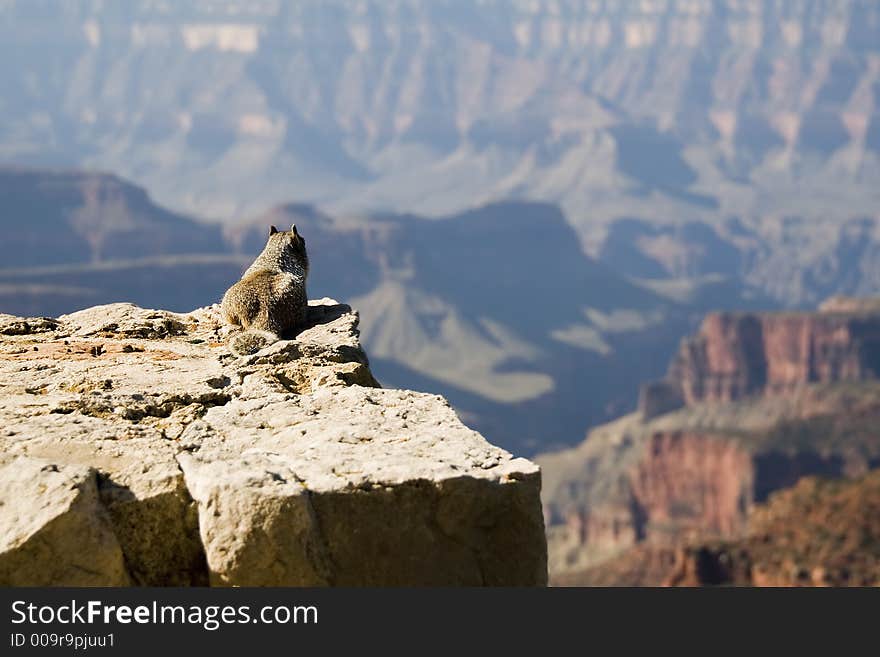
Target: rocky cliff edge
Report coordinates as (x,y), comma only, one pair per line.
(135,449)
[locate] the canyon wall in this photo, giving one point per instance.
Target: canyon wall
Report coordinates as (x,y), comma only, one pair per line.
(818,533)
(735,355)
(752,403)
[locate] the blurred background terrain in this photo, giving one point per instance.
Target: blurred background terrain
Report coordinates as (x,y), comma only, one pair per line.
(531,203)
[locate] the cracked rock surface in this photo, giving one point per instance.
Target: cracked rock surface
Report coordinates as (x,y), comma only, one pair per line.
(136,449)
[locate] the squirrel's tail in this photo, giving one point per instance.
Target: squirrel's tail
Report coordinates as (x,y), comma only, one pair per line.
(250,341)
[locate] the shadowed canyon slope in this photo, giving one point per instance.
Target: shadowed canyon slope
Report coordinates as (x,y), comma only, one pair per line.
(751,404)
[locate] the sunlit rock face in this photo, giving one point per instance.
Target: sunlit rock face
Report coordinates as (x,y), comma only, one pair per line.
(136,449)
(737,355)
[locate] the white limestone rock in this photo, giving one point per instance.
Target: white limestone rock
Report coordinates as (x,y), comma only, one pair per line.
(178,463)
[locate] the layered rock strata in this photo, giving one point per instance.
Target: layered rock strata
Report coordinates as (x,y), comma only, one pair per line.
(752,403)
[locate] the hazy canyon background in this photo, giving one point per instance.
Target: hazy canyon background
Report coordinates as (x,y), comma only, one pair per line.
(530,203)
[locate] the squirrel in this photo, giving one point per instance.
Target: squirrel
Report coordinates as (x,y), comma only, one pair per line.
(270,299)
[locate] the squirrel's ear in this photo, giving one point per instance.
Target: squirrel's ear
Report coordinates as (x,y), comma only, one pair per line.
(293,229)
(272,230)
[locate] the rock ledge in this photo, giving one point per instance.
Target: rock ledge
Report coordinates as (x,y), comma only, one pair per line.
(137,450)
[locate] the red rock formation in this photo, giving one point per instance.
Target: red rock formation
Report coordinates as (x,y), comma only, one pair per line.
(808,403)
(608,530)
(691,484)
(685,485)
(817,533)
(736,355)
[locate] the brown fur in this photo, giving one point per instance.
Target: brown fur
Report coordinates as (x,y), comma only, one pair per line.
(270,301)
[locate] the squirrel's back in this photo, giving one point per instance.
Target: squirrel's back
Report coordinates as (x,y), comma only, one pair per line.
(270,300)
